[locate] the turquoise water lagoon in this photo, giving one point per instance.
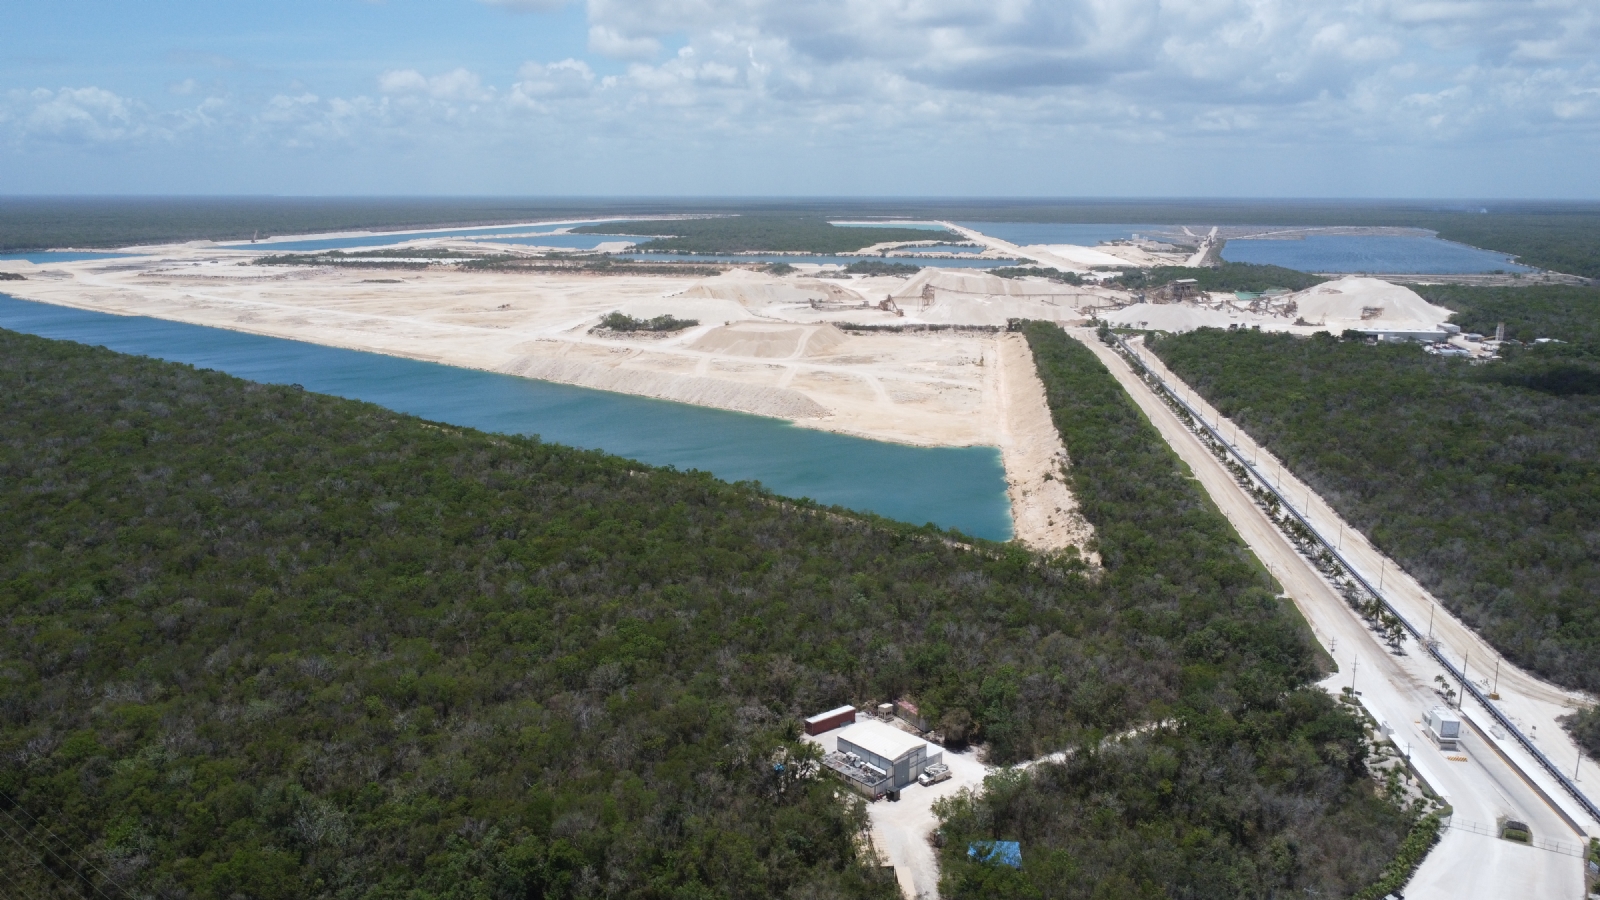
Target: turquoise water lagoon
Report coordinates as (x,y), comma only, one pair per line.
(954,487)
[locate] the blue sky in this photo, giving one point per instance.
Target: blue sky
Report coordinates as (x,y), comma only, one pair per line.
(1335,98)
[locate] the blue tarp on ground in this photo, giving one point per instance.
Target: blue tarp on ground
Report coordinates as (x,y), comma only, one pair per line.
(1003,853)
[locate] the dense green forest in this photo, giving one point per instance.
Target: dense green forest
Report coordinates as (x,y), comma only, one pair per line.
(1225,277)
(878,267)
(773,233)
(363,257)
(1561,240)
(1200,808)
(1037,272)
(590,264)
(1564,237)
(1482,481)
(260,642)
(1564,312)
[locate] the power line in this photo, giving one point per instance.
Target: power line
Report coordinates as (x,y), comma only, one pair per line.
(29,853)
(75,852)
(59,858)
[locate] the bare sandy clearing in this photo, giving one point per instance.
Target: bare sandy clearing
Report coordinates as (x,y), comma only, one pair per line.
(1045,513)
(772,341)
(763,344)
(927,390)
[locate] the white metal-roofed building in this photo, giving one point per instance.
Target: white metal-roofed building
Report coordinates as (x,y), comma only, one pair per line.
(900,755)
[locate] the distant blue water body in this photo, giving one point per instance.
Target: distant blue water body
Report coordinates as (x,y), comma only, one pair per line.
(574,241)
(796,259)
(941,248)
(956,487)
(60,256)
(1388,254)
(1024,233)
(390,239)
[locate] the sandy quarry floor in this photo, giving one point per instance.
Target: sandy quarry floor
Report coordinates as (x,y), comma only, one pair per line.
(765,344)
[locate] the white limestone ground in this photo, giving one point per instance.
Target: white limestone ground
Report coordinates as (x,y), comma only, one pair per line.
(765,344)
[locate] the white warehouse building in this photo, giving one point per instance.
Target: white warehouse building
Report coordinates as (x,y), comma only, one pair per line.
(900,756)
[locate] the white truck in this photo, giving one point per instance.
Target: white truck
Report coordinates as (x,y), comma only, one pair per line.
(934,774)
(1444,726)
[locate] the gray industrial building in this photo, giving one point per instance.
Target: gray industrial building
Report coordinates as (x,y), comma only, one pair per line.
(899,756)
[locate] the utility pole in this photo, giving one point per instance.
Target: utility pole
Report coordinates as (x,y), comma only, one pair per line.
(1341,536)
(1496,692)
(1383,566)
(1431,608)
(1465,661)
(1354,665)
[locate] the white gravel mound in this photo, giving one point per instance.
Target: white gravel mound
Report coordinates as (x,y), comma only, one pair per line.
(1079,257)
(1356,302)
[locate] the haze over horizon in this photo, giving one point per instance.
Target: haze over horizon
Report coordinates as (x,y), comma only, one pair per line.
(1352,98)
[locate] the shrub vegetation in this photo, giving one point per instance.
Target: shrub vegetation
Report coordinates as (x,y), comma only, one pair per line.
(1037,272)
(618,321)
(874,267)
(1225,277)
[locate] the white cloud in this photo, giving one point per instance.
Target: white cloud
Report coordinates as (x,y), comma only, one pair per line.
(402,81)
(558,80)
(88,115)
(1039,76)
(611,42)
(458,85)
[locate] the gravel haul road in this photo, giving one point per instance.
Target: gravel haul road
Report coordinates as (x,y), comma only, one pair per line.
(1478,781)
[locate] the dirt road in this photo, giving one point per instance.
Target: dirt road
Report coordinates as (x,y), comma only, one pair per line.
(1044,512)
(900,830)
